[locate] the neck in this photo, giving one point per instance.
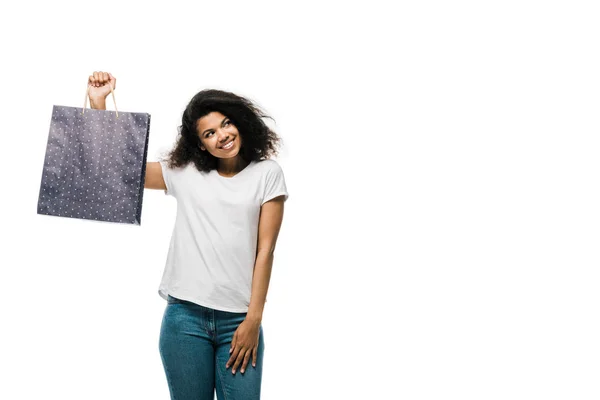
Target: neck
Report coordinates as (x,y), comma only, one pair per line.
(231,165)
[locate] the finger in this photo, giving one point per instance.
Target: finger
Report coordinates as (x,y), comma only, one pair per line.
(232,358)
(230,361)
(254,356)
(238,360)
(105,77)
(245,362)
(235,359)
(91,80)
(99,78)
(233,342)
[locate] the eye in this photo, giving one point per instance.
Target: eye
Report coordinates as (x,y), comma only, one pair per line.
(228,122)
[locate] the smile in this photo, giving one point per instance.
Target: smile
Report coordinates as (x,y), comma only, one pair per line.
(228,145)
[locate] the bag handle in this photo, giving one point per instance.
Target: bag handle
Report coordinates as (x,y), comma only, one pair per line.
(87,94)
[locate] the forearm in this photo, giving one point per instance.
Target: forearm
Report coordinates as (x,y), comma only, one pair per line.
(98,103)
(260,285)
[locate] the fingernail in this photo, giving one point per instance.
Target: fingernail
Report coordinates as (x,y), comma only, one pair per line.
(242,371)
(233,372)
(254,365)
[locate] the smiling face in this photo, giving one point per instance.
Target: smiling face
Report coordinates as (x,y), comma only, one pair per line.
(218,135)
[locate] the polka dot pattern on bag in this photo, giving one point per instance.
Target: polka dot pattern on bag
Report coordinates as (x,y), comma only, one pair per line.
(95,165)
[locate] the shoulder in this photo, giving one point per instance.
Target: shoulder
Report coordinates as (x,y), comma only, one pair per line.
(269,166)
(176,170)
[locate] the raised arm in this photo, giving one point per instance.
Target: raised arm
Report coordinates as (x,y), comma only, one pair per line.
(99,89)
(154,177)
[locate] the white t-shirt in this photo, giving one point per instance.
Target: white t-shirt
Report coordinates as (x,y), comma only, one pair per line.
(213,247)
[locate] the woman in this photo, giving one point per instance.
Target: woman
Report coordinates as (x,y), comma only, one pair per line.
(230,199)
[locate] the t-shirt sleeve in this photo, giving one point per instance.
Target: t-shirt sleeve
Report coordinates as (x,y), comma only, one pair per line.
(167,174)
(275,183)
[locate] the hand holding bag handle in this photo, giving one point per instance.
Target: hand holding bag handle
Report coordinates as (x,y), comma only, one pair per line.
(87,94)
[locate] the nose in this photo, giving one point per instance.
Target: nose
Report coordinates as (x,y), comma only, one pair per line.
(223,136)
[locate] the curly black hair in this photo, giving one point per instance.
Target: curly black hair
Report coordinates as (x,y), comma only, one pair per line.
(259,142)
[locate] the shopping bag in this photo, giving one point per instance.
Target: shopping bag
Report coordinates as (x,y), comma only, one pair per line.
(95,164)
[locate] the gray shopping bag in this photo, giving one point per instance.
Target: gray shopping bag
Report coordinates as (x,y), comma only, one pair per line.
(95,164)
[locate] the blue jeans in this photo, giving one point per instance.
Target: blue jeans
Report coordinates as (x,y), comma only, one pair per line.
(194,347)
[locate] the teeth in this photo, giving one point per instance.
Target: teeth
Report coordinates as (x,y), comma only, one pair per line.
(228,146)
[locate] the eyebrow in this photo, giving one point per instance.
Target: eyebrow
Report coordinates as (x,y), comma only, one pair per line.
(224,119)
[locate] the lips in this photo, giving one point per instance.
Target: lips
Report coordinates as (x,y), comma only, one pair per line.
(228,146)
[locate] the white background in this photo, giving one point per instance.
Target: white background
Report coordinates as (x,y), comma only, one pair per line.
(441,236)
